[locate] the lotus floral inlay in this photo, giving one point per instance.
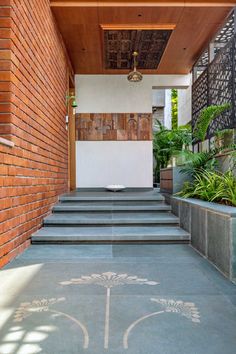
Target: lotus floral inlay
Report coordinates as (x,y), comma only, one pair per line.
(186,309)
(108,280)
(26,309)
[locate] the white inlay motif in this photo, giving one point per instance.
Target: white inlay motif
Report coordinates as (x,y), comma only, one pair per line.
(108,280)
(26,309)
(186,309)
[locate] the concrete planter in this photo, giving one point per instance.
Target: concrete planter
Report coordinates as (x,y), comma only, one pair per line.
(213,231)
(172,180)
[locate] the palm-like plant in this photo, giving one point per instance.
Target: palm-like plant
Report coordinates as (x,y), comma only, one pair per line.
(204,161)
(207,116)
(197,162)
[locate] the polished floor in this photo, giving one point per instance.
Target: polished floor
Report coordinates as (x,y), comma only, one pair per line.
(115,299)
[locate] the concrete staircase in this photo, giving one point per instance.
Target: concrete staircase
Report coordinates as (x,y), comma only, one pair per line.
(100,216)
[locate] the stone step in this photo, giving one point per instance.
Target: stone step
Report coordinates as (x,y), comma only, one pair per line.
(110,234)
(115,207)
(101,216)
(110,197)
(111,202)
(118,218)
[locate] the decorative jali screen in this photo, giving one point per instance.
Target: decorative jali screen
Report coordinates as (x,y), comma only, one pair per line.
(216,86)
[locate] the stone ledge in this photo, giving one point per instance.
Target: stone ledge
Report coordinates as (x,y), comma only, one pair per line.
(218,208)
(213,231)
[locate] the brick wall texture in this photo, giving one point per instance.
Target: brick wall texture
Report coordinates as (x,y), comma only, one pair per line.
(34,71)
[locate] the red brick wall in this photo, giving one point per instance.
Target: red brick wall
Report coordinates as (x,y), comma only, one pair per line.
(34,72)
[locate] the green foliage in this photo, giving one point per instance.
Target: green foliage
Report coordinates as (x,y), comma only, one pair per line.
(174,109)
(207,183)
(212,186)
(197,162)
(224,137)
(233,160)
(221,133)
(207,115)
(204,161)
(166,143)
(229,188)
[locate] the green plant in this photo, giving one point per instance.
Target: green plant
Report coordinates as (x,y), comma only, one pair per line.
(229,188)
(204,186)
(232,161)
(221,133)
(174,109)
(212,186)
(223,137)
(204,161)
(207,115)
(166,143)
(197,162)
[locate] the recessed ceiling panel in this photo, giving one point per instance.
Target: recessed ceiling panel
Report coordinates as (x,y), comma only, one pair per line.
(120,44)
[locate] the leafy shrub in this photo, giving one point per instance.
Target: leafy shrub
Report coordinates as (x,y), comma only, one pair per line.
(166,143)
(212,187)
(200,161)
(174,109)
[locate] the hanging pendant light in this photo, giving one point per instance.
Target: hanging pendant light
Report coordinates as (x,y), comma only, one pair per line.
(135,76)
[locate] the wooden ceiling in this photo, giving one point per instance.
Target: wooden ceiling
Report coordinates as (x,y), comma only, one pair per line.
(194,24)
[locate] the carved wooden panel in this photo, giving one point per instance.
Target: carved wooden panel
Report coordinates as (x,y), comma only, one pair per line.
(114,126)
(120,44)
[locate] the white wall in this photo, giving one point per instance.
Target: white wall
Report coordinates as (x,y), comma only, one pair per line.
(100,163)
(114,94)
(167,110)
(158,97)
(184,106)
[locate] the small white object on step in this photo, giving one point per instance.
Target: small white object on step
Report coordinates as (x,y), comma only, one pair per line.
(115,187)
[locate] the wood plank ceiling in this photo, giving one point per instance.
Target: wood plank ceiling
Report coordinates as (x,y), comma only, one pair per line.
(82,25)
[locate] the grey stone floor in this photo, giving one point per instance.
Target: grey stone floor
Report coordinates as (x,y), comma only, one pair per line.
(115,299)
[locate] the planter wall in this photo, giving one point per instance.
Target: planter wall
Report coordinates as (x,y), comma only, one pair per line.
(213,231)
(225,163)
(171,180)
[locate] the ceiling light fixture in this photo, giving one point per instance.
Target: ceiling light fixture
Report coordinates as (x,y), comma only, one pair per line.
(135,76)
